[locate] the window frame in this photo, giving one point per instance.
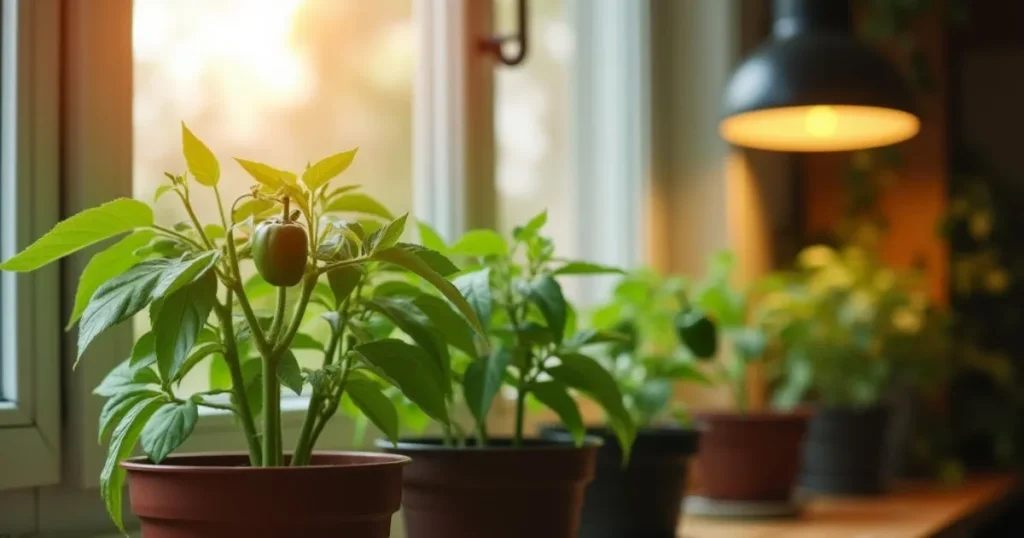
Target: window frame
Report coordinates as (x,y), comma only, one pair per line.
(30,431)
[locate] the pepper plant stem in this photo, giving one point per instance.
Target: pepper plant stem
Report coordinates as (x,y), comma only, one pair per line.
(304,447)
(252,438)
(271,413)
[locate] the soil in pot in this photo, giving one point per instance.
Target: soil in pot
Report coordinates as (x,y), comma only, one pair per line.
(845,451)
(346,494)
(642,500)
(496,491)
(750,457)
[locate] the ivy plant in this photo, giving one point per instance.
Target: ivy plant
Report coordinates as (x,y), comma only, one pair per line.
(531,345)
(663,336)
(316,270)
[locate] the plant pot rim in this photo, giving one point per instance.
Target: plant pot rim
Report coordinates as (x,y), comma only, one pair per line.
(174,464)
(800,413)
(532,444)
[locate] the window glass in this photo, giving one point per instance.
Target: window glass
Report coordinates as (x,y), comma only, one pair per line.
(283,82)
(532,125)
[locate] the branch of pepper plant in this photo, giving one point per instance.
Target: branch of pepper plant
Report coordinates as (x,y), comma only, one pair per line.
(252,437)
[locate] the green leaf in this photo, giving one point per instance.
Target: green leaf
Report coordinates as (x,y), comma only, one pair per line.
(143,352)
(289,373)
(252,376)
(437,261)
(199,352)
(587,268)
(358,203)
(118,405)
(652,397)
(414,264)
(219,375)
(251,208)
(698,333)
(410,369)
(160,191)
(305,341)
(430,238)
(179,320)
(266,175)
(410,320)
(555,396)
(343,281)
(256,287)
(368,397)
(678,370)
(119,299)
(476,288)
(81,230)
(546,293)
(122,442)
(104,266)
(483,379)
(168,428)
(338,191)
(480,243)
(453,328)
(587,376)
(531,228)
(184,271)
(396,288)
(327,169)
(201,162)
(387,236)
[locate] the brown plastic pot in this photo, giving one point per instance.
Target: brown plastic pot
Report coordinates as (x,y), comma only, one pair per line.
(497,491)
(348,494)
(750,457)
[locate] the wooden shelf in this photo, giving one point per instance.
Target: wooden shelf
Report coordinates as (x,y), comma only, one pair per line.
(912,510)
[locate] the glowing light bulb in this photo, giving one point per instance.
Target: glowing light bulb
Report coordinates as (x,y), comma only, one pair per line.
(822,121)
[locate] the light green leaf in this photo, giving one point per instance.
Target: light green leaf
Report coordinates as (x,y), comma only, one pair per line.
(430,238)
(179,320)
(256,287)
(305,341)
(555,396)
(480,243)
(115,408)
(201,162)
(289,373)
(81,230)
(387,236)
(414,264)
(409,368)
(220,375)
(214,231)
(368,397)
(587,268)
(587,376)
(455,330)
(476,288)
(160,191)
(358,203)
(199,352)
(437,261)
(678,370)
(252,208)
(410,320)
(122,442)
(546,293)
(168,428)
(266,175)
(252,376)
(327,169)
(483,379)
(531,228)
(104,266)
(119,299)
(338,191)
(344,281)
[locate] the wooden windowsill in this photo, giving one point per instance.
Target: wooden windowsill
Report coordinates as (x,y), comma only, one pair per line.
(912,510)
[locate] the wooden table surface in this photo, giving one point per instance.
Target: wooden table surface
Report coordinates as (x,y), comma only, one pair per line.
(912,510)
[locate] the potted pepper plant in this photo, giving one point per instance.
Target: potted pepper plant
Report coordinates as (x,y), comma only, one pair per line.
(661,338)
(749,457)
(192,277)
(852,330)
(470,483)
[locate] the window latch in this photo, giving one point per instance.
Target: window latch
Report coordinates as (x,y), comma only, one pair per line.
(496,44)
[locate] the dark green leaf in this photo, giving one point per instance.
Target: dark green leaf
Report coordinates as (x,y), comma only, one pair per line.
(81,230)
(554,395)
(305,341)
(168,428)
(368,397)
(411,370)
(252,375)
(178,322)
(125,377)
(586,375)
(482,381)
(453,328)
(587,268)
(289,373)
(437,261)
(480,243)
(358,203)
(104,266)
(476,288)
(547,295)
(396,288)
(199,352)
(118,299)
(652,398)
(343,281)
(184,271)
(413,322)
(122,442)
(387,236)
(115,408)
(698,333)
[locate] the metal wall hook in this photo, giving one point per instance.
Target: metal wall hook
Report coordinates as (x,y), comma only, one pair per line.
(495,44)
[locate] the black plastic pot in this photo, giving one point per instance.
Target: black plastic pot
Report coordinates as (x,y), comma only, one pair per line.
(642,500)
(845,451)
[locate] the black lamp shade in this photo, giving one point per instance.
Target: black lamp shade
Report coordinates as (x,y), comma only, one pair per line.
(815,87)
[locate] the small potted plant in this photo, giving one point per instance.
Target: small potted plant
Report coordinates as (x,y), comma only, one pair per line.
(661,339)
(192,276)
(852,331)
(470,483)
(749,458)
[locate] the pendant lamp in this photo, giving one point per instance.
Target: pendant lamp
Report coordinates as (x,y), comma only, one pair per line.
(815,87)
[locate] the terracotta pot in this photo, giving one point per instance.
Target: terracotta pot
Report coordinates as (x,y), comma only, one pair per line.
(497,491)
(845,451)
(750,457)
(346,494)
(642,500)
